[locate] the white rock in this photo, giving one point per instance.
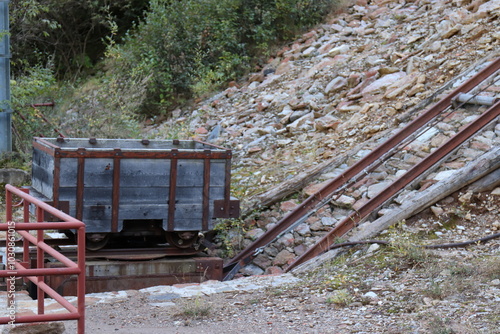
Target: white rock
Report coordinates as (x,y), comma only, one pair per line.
(495,282)
(328,221)
(496,191)
(372,248)
(381,84)
(371,295)
(489,7)
(339,50)
(375,189)
(335,85)
(344,201)
(302,124)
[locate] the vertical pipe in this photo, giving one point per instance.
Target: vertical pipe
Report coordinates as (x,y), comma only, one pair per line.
(5,109)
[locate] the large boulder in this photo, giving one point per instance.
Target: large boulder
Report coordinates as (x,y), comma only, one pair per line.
(16,177)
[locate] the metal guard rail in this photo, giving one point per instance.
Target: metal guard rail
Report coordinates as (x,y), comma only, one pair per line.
(16,269)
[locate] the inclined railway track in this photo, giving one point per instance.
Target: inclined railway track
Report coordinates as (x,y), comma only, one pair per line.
(467,92)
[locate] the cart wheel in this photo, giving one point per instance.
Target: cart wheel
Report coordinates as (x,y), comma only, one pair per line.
(181,239)
(96,241)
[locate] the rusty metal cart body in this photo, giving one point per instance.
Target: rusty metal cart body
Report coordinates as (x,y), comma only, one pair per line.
(135,187)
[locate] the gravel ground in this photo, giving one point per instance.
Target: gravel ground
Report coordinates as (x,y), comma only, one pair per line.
(368,289)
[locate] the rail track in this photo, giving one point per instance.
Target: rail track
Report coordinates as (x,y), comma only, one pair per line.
(470,91)
(68,249)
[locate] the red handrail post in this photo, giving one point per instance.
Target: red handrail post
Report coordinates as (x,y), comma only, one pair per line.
(37,275)
(40,257)
(80,295)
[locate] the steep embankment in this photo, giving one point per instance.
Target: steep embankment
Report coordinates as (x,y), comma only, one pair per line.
(341,87)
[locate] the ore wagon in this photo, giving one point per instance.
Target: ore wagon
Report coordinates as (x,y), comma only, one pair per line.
(123,188)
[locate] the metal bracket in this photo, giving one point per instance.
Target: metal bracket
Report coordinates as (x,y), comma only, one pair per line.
(220,211)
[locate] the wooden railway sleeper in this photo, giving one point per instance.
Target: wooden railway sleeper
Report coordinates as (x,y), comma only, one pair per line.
(376,157)
(355,218)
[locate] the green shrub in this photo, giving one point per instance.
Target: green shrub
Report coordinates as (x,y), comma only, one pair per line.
(68,35)
(96,109)
(340,298)
(38,85)
(185,48)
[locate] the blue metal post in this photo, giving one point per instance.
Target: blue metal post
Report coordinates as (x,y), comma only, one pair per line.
(5,109)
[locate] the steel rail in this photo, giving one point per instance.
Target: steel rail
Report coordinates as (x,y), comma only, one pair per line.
(355,217)
(247,255)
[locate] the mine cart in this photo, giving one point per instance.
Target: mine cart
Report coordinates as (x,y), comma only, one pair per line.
(125,187)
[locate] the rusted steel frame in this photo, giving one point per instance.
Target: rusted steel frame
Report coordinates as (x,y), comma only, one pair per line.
(227,187)
(170,251)
(144,154)
(212,145)
(40,262)
(80,295)
(172,190)
(62,225)
(34,106)
(54,151)
(41,247)
(45,104)
(178,276)
(311,202)
(49,148)
(42,318)
(355,217)
(22,270)
(206,191)
(47,248)
(80,182)
(44,206)
(57,179)
(115,195)
(39,141)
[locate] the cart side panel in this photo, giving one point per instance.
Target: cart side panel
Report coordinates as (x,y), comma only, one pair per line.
(144,173)
(43,173)
(138,183)
(189,195)
(144,189)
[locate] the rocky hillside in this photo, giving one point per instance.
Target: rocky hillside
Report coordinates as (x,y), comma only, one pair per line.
(340,84)
(326,100)
(333,95)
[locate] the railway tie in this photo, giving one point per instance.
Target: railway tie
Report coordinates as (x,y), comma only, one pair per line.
(321,197)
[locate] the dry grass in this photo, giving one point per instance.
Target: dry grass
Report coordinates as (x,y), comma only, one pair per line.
(195,308)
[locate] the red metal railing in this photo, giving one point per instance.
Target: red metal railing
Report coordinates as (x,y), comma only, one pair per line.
(16,268)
